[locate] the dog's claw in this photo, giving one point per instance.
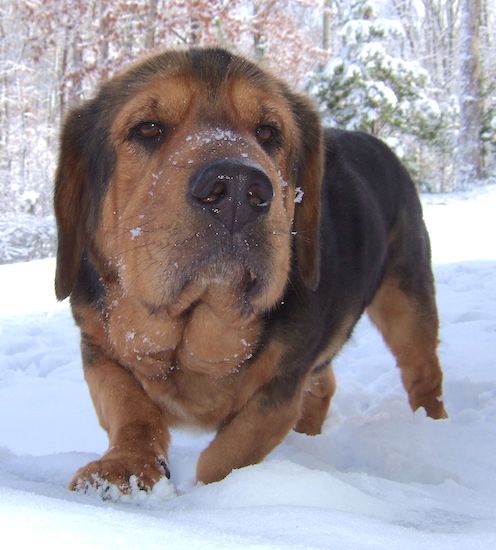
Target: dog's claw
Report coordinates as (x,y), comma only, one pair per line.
(165,467)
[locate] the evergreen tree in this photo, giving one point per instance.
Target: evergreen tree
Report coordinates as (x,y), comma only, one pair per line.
(370,86)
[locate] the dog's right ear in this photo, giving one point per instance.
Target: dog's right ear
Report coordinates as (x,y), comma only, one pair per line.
(84,168)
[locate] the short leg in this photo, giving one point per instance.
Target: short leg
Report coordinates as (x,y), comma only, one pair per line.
(408,322)
(316,402)
(249,437)
(138,436)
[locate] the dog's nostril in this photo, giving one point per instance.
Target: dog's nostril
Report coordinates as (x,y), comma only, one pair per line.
(258,195)
(215,194)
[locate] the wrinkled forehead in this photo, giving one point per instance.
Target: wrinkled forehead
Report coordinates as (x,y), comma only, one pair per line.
(224,97)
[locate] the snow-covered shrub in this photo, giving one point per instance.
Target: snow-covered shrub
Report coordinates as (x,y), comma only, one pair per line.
(25,237)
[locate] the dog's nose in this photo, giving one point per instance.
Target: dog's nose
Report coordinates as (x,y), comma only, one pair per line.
(235,191)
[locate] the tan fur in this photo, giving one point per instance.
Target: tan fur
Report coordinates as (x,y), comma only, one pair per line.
(245,439)
(135,235)
(316,402)
(136,446)
(410,330)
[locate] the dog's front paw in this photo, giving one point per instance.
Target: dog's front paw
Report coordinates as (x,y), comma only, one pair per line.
(115,475)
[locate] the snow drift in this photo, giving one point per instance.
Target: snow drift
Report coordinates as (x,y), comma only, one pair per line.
(378,477)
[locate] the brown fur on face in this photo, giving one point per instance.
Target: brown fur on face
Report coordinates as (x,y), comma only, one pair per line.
(139,220)
(205,293)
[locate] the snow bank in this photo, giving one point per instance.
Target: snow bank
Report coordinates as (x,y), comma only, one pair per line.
(378,477)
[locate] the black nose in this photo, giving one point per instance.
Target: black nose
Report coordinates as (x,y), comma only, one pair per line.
(235,191)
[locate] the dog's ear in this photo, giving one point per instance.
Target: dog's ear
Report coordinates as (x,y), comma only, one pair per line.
(71,204)
(84,167)
(309,169)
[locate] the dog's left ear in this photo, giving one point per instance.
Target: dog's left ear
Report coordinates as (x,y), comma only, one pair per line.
(84,166)
(310,169)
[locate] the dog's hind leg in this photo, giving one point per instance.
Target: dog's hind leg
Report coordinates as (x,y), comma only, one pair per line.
(406,315)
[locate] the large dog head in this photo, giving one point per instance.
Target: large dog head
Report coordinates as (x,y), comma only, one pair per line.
(191,169)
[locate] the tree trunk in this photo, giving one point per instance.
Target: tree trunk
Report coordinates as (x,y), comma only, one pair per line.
(195,30)
(258,37)
(326,25)
(469,146)
(103,46)
(152,24)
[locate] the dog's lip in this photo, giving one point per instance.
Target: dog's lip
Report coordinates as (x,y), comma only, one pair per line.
(249,286)
(252,284)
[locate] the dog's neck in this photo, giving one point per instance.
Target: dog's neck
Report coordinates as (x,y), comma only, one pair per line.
(210,332)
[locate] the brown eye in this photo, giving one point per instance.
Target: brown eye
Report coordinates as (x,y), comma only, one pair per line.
(149,130)
(148,135)
(265,134)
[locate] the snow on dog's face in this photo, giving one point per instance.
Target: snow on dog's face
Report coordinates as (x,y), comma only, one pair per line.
(180,178)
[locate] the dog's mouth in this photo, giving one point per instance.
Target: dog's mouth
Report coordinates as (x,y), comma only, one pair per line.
(228,286)
(227,272)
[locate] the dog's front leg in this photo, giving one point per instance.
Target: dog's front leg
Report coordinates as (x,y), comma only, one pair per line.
(138,435)
(248,437)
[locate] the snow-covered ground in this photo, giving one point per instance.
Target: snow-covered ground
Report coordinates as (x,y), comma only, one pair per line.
(378,477)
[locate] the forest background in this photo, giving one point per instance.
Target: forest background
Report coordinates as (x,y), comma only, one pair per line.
(420,74)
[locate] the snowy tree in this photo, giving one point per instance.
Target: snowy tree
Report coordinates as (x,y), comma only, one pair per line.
(370,86)
(366,88)
(439,37)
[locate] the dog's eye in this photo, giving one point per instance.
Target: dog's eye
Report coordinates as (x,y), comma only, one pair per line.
(148,135)
(266,134)
(149,130)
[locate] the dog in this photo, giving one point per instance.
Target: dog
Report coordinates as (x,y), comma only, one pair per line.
(218,246)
